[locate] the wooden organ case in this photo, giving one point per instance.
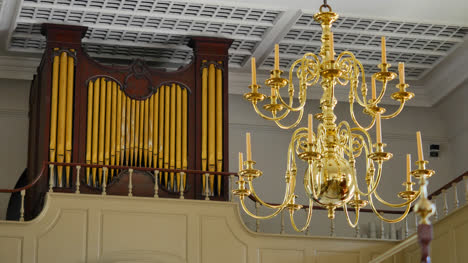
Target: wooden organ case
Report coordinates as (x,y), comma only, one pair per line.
(128,116)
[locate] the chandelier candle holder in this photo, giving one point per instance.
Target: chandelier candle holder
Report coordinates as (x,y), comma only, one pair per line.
(330,152)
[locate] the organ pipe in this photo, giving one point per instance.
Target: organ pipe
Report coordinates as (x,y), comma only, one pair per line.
(172,134)
(137,131)
(211,123)
(61,115)
(150,129)
(69,117)
(184,135)
(219,125)
(161,129)
(166,131)
(119,128)
(114,116)
(94,155)
(145,143)
(148,133)
(178,139)
(204,121)
(140,141)
(89,127)
(108,131)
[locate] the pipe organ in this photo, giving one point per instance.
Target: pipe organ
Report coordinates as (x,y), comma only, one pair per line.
(122,131)
(128,116)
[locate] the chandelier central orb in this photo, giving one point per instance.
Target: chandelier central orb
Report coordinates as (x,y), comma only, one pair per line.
(330,152)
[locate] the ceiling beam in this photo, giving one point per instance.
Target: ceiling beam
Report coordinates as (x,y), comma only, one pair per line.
(274,35)
(448,75)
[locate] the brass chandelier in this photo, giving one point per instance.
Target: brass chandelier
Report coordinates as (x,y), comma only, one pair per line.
(330,152)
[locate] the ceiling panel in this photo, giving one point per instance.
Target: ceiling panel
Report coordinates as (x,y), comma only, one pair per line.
(159,31)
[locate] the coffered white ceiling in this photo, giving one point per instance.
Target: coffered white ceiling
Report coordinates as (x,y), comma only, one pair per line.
(158,31)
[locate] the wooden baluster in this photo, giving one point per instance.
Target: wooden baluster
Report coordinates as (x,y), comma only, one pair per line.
(436,213)
(130,185)
(156,183)
(357,233)
(23,193)
(455,195)
(445,202)
(466,188)
(77,187)
(257,221)
(416,222)
(51,178)
(181,187)
(231,186)
(382,229)
(282,222)
(207,187)
(406,228)
(104,181)
(332,227)
(392,234)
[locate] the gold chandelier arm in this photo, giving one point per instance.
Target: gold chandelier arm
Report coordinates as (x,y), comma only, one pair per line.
(291,99)
(354,77)
(353,117)
(385,219)
(309,216)
(379,174)
(278,210)
(301,113)
(382,92)
(372,187)
(274,118)
(356,221)
(398,111)
(286,199)
(397,205)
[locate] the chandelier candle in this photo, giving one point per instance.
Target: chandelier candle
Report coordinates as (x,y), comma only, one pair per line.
(247,142)
(384,55)
(309,133)
(401,72)
(241,162)
(408,168)
(420,148)
(276,57)
(254,72)
(331,178)
(373,88)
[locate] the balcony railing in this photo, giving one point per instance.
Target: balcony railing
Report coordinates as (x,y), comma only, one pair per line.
(385,231)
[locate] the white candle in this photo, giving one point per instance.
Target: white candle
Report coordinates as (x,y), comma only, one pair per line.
(276,57)
(408,168)
(309,137)
(384,55)
(401,72)
(420,149)
(378,130)
(254,72)
(373,88)
(247,141)
(241,162)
